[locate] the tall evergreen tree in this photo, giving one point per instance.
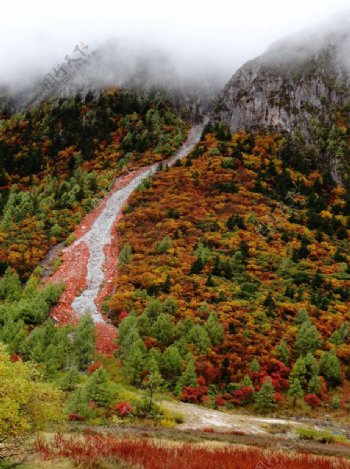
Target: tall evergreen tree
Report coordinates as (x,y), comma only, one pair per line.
(98,389)
(330,368)
(308,339)
(295,389)
(187,378)
(83,342)
(265,398)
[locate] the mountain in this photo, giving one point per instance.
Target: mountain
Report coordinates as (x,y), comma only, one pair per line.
(218,260)
(120,64)
(297,78)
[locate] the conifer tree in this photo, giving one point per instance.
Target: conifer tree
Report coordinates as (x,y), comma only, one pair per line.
(265,398)
(330,368)
(283,352)
(254,366)
(308,339)
(214,329)
(98,389)
(83,342)
(295,389)
(134,361)
(188,377)
(299,371)
(153,382)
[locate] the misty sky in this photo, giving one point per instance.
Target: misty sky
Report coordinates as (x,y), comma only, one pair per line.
(220,34)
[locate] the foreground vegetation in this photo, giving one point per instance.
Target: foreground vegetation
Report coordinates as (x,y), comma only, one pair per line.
(103,451)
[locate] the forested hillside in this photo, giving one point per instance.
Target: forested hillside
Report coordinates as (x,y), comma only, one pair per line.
(58,159)
(235,276)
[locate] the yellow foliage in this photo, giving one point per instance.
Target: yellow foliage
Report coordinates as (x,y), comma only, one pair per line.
(26,403)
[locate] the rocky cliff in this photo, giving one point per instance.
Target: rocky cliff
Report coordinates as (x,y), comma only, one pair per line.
(296,79)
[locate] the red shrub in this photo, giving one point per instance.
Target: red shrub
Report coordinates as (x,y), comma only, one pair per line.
(220,401)
(123,408)
(312,400)
(15,358)
(195,394)
(242,396)
(190,394)
(210,372)
(278,382)
(258,377)
(278,397)
(278,368)
(76,418)
(93,367)
(92,450)
(150,342)
(123,315)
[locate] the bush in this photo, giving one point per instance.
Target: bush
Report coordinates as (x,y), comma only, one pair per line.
(76,418)
(123,408)
(335,402)
(312,400)
(314,435)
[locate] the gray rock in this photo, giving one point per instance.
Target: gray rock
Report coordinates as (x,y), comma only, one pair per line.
(296,79)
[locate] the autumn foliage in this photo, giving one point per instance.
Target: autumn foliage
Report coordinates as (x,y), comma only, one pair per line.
(92,450)
(239,231)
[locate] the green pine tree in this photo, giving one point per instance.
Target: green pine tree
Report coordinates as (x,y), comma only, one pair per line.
(98,388)
(135,361)
(125,256)
(214,329)
(171,364)
(83,342)
(308,339)
(295,389)
(299,371)
(152,383)
(188,377)
(265,398)
(163,329)
(254,366)
(330,368)
(283,352)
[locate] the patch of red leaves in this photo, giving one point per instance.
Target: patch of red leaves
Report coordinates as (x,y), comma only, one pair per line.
(106,337)
(92,450)
(72,272)
(76,418)
(123,408)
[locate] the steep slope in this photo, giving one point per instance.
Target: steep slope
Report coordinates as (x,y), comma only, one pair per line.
(59,159)
(89,263)
(239,262)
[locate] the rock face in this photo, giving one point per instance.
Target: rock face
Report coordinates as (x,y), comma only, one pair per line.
(295,80)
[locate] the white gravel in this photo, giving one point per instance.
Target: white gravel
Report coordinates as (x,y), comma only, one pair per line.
(99,234)
(198,418)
